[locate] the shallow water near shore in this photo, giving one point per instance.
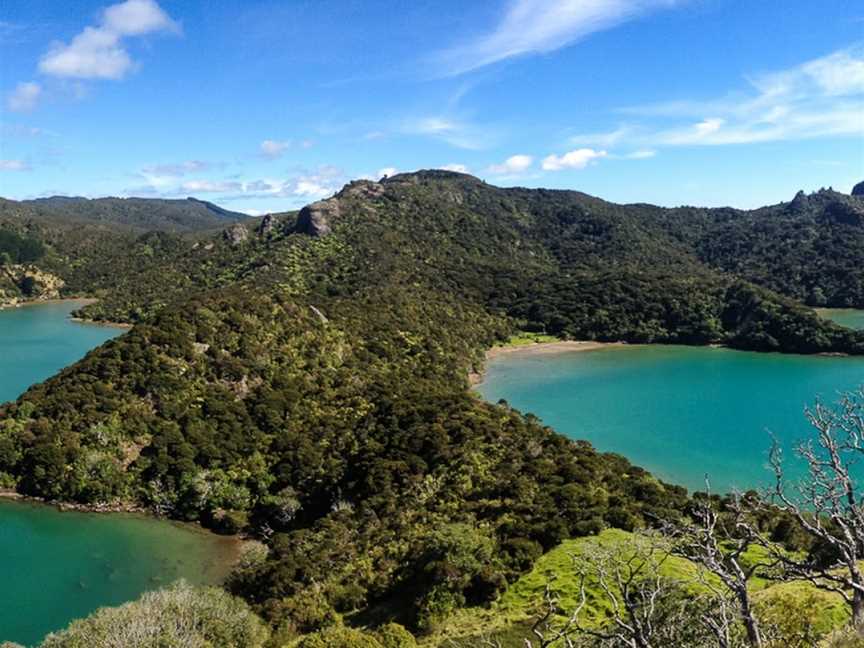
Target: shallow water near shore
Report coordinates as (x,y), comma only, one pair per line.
(38,340)
(849,317)
(56,567)
(680,412)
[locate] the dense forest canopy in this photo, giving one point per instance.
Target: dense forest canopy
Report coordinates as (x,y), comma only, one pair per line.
(303,377)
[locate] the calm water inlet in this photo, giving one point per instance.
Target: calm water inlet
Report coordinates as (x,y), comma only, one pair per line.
(56,567)
(680,412)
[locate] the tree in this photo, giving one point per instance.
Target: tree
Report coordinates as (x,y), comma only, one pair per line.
(827,504)
(718,543)
(641,606)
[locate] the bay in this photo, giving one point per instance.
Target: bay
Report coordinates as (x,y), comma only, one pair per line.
(56,567)
(680,412)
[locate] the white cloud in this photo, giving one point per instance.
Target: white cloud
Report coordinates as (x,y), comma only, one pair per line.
(136,18)
(387,171)
(577,159)
(458,168)
(539,26)
(708,126)
(514,165)
(820,98)
(274,149)
(98,52)
(211,186)
(14,165)
(24,97)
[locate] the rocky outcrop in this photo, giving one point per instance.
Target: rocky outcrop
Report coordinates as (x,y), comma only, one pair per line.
(22,283)
(362,189)
(266,226)
(317,219)
(858,189)
(236,234)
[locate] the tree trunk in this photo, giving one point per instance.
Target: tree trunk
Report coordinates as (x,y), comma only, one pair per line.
(858,611)
(754,638)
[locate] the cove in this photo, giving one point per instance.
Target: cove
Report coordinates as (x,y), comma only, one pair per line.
(56,567)
(680,412)
(844,316)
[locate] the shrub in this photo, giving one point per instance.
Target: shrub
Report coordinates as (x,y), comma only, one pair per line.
(340,637)
(393,635)
(181,615)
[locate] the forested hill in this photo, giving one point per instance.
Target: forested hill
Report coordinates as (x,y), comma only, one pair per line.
(303,377)
(139,214)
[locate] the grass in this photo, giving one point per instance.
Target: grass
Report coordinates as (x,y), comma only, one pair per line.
(524,338)
(509,620)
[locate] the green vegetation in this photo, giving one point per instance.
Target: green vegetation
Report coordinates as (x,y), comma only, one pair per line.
(312,390)
(527,338)
(140,214)
(182,615)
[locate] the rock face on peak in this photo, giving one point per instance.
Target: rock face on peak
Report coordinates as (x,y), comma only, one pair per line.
(362,189)
(858,190)
(316,219)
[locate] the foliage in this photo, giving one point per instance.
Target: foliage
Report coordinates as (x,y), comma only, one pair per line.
(181,615)
(313,391)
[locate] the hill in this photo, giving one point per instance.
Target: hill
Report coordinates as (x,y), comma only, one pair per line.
(140,214)
(303,377)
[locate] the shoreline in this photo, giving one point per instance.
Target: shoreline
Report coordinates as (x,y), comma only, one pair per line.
(236,543)
(83,301)
(476,378)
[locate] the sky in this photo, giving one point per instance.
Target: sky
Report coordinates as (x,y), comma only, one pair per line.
(263,106)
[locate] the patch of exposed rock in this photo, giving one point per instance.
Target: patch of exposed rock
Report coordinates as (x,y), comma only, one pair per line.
(317,219)
(22,283)
(236,234)
(362,189)
(266,226)
(858,190)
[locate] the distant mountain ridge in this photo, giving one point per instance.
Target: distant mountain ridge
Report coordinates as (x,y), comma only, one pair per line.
(142,214)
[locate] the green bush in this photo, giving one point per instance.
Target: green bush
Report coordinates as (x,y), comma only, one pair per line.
(181,615)
(340,637)
(393,635)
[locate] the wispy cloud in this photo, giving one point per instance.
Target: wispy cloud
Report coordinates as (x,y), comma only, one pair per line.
(211,186)
(98,52)
(823,97)
(577,159)
(540,26)
(177,170)
(456,132)
(14,165)
(24,97)
(274,149)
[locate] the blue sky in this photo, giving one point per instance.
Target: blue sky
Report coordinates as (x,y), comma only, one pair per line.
(263,106)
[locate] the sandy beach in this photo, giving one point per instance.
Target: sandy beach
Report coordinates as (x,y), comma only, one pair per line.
(541,348)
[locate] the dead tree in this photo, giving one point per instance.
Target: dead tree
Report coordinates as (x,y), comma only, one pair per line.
(717,543)
(634,589)
(826,503)
(548,629)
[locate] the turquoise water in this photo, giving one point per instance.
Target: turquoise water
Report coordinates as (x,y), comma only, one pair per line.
(844,316)
(680,412)
(37,341)
(55,567)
